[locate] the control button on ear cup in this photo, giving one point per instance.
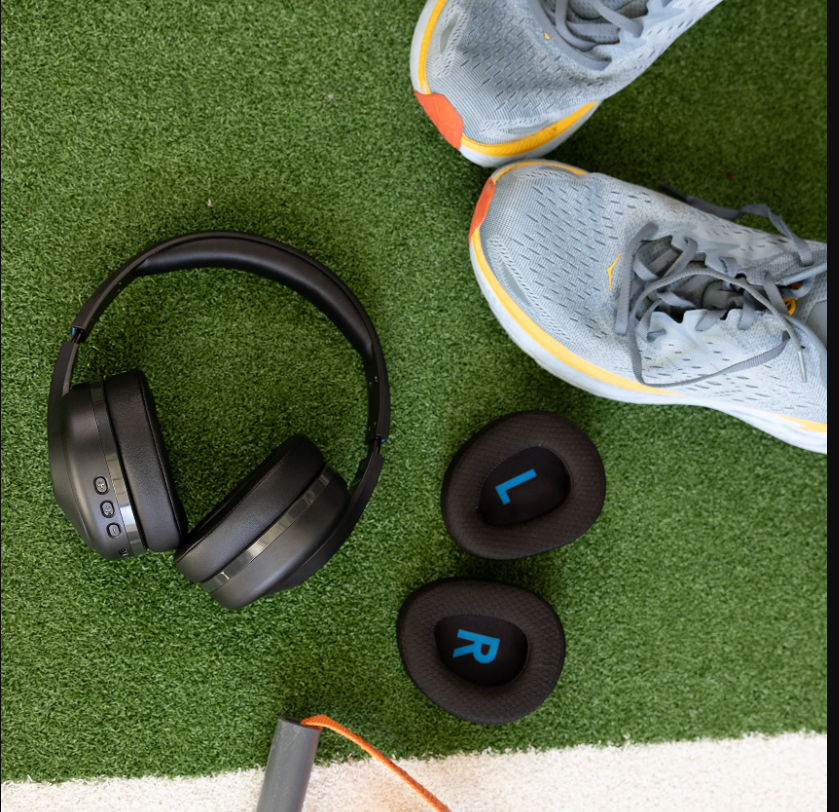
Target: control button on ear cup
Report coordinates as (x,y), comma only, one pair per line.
(139,442)
(526,483)
(485,652)
(91,467)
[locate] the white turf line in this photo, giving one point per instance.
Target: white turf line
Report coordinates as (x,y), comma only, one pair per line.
(786,773)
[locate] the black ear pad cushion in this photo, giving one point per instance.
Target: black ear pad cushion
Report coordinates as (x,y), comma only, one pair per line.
(440,620)
(136,430)
(253,505)
(476,464)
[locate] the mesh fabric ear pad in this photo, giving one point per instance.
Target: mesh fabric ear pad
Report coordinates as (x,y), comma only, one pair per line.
(256,503)
(143,455)
(485,652)
(524,484)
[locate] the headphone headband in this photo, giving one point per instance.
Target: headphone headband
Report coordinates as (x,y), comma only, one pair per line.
(263,257)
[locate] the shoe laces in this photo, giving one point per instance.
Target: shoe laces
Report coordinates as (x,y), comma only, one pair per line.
(672,281)
(579,35)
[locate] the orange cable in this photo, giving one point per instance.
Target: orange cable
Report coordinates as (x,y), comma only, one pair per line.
(331,724)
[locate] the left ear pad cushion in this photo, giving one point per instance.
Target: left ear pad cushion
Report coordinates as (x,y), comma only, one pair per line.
(143,455)
(253,506)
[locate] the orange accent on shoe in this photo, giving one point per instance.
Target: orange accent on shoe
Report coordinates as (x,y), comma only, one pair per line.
(331,724)
(792,303)
(483,206)
(444,116)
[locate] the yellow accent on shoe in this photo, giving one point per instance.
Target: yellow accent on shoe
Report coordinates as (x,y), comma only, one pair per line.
(510,149)
(612,268)
(792,303)
(808,425)
(505,169)
(426,41)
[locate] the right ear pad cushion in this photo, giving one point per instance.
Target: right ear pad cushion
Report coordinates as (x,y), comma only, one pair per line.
(485,652)
(143,455)
(253,506)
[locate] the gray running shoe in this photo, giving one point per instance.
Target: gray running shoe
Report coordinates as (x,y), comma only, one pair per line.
(509,79)
(642,298)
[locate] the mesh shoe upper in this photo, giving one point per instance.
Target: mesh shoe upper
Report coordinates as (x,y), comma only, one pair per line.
(499,64)
(552,237)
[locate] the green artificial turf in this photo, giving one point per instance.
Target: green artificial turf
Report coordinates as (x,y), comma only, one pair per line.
(696,606)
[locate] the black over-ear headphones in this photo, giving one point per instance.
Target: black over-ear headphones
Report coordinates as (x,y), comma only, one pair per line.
(110,473)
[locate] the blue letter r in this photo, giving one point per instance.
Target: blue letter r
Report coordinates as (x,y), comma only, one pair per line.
(477,647)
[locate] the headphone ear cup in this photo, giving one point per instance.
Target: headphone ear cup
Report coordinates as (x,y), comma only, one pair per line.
(486,652)
(139,442)
(293,470)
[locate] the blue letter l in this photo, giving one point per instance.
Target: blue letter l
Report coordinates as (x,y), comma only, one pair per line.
(511,483)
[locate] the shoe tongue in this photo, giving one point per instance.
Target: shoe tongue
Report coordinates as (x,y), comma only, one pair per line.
(715,296)
(587,10)
(584,13)
(818,321)
(812,308)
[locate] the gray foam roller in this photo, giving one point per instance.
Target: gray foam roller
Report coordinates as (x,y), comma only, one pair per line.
(289,766)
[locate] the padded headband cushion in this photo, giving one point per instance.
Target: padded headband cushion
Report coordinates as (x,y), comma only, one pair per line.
(485,652)
(524,484)
(144,460)
(253,506)
(277,262)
